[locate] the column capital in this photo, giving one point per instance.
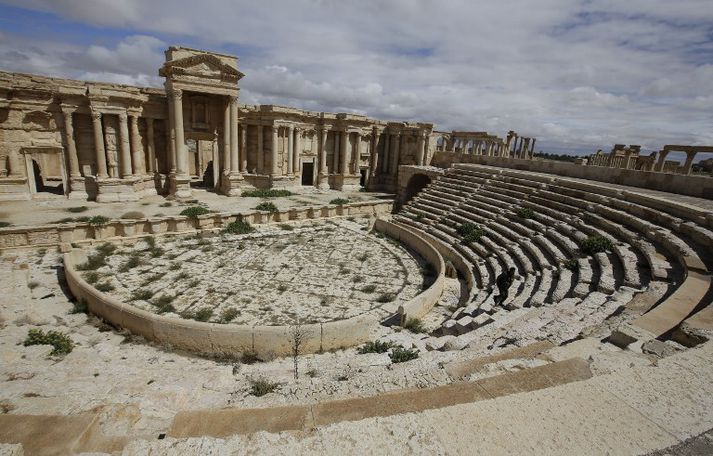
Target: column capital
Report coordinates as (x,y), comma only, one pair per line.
(233,100)
(68,109)
(95,112)
(123,116)
(176,94)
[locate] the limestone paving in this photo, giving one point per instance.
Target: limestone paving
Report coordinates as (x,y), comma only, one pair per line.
(309,272)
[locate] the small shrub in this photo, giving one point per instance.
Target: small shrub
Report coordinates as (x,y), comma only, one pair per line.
(182,276)
(339,201)
(363,257)
(282,287)
(133,215)
(93,263)
(141,295)
(98,220)
(194,211)
(270,193)
(401,355)
(385,297)
(526,213)
(32,285)
(79,306)
(164,304)
(104,287)
(286,226)
(239,227)
(249,357)
(312,373)
(157,252)
(152,278)
(368,288)
(596,244)
(202,314)
(60,342)
(357,279)
(571,264)
(174,266)
(166,204)
(260,387)
(266,206)
(133,261)
(229,314)
(4,224)
(77,209)
(375,347)
(414,325)
(106,249)
(91,277)
(469,232)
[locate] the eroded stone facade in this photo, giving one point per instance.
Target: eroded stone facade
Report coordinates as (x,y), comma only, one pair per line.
(109,142)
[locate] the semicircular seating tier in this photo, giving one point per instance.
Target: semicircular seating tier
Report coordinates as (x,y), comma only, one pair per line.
(654,281)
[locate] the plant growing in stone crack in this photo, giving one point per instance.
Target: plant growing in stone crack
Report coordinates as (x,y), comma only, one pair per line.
(572,264)
(163,303)
(385,297)
(60,342)
(239,227)
(375,347)
(596,244)
(368,288)
(194,211)
(267,206)
(339,201)
(414,325)
(526,213)
(104,287)
(299,335)
(400,354)
(99,220)
(133,261)
(261,386)
(229,315)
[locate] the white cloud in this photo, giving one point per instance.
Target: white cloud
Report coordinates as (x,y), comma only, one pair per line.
(579,75)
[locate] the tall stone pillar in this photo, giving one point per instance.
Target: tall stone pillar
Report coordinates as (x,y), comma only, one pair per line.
(124,149)
(297,152)
(137,150)
(335,152)
(532,147)
(151,146)
(226,137)
(234,153)
(290,150)
(344,154)
(385,162)
(453,144)
(171,138)
(356,154)
(374,153)
(394,153)
(688,165)
(181,150)
(421,149)
(260,149)
(77,187)
(323,172)
(99,150)
(181,181)
(273,152)
(244,149)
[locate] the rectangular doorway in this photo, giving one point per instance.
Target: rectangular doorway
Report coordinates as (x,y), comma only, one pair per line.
(363,177)
(307,173)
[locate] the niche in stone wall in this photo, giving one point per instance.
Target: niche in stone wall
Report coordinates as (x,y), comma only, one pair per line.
(38,119)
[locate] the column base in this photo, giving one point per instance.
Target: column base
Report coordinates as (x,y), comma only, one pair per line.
(230,184)
(77,188)
(347,183)
(113,190)
(323,180)
(180,186)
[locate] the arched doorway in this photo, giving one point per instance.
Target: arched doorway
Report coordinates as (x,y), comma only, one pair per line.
(417,183)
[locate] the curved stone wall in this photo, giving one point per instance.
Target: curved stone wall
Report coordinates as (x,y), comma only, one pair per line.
(216,339)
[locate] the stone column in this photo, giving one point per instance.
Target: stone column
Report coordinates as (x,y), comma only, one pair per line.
(374,153)
(532,147)
(260,150)
(385,162)
(356,153)
(335,152)
(273,152)
(323,172)
(181,151)
(244,149)
(344,154)
(290,150)
(226,137)
(171,137)
(453,144)
(297,152)
(99,151)
(125,150)
(151,144)
(421,149)
(137,152)
(234,153)
(71,145)
(688,165)
(395,152)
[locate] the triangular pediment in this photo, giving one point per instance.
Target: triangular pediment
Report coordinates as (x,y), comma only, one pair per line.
(202,65)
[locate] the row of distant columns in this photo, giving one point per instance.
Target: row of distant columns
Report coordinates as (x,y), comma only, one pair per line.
(480,146)
(131,153)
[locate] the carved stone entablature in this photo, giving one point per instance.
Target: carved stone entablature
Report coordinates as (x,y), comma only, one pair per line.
(201,71)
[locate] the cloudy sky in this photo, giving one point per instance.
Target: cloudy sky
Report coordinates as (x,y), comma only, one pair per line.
(577,74)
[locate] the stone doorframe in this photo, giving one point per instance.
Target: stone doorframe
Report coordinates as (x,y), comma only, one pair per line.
(28,151)
(213,139)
